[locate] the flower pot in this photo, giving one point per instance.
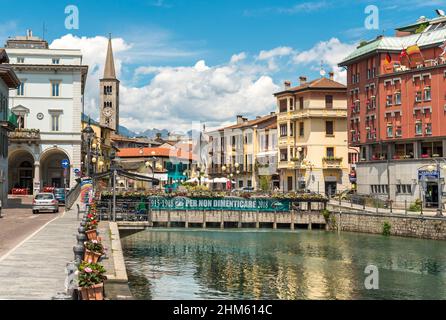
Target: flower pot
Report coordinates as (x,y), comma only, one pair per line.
(91,256)
(92,234)
(95,292)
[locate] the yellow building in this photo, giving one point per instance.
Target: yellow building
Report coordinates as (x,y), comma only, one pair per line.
(312,136)
(101,146)
(246,153)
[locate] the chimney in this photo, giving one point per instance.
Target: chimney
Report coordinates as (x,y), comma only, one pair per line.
(245,119)
(303,80)
(258,117)
(287,84)
(331,74)
(239,119)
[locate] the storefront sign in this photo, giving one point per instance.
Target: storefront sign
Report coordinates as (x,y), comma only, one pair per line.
(225,204)
(428,175)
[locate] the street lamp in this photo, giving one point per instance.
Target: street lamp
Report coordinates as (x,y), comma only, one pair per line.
(88,134)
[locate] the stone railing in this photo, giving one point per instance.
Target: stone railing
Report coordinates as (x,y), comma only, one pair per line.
(24,135)
(332,163)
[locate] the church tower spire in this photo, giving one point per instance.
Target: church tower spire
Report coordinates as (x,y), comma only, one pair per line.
(109,70)
(109,92)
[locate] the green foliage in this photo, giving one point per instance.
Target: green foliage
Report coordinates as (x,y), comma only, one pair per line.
(362,44)
(422,27)
(332,159)
(386,228)
(265,183)
(326,214)
(91,274)
(95,246)
(416,207)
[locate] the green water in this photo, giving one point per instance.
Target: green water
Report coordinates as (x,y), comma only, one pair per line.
(197,264)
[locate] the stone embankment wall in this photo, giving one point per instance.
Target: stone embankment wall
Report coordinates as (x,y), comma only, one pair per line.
(400,225)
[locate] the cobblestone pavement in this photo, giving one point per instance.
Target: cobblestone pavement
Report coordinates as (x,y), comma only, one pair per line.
(17,222)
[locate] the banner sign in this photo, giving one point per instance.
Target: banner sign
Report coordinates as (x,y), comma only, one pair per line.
(86,191)
(218,204)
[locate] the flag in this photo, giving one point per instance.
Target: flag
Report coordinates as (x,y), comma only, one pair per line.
(403,54)
(388,58)
(413,50)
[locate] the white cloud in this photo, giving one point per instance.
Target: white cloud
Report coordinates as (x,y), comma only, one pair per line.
(238,57)
(330,52)
(276,52)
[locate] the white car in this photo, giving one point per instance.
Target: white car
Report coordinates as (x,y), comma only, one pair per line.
(45,202)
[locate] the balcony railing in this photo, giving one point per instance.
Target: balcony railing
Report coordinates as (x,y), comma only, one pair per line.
(332,163)
(24,135)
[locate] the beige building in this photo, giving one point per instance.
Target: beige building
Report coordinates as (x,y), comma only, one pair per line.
(246,153)
(312,136)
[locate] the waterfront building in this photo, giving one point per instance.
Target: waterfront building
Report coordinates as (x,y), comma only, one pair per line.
(397,105)
(8,81)
(48,104)
(312,136)
(101,146)
(245,153)
(169,165)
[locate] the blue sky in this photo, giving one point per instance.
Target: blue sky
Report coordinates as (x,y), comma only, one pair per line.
(158,39)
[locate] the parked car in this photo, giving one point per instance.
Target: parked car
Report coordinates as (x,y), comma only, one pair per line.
(45,202)
(59,193)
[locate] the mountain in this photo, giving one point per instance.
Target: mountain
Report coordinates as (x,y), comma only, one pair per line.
(149,133)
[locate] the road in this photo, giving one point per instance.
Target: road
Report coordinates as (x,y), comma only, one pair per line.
(18,222)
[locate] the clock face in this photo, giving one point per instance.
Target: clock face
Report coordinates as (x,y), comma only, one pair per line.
(40,116)
(108,112)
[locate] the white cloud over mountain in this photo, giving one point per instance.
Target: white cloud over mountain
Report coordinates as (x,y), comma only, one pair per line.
(173,97)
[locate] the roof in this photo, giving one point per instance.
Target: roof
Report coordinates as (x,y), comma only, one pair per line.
(157,152)
(8,76)
(425,39)
(254,122)
(318,84)
(109,69)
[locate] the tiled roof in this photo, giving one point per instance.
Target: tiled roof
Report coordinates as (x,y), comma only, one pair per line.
(157,152)
(427,38)
(321,83)
(253,122)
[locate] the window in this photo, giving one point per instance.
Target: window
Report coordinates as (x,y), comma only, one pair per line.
(20,60)
(283,154)
(301,129)
(21,89)
(427,94)
(398,98)
(56,60)
(389,100)
(55,122)
(418,128)
(389,131)
(330,152)
(403,189)
(398,132)
(283,105)
(301,103)
(283,130)
(292,129)
(418,96)
(428,128)
(108,90)
(328,102)
(240,183)
(292,104)
(21,121)
(329,130)
(55,89)
(249,183)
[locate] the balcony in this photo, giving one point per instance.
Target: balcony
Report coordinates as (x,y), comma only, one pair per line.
(24,135)
(332,163)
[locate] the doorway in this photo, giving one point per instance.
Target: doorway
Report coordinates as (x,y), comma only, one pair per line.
(330,188)
(290,184)
(431,195)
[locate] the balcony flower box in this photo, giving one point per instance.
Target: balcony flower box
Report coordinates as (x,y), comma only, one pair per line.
(436,155)
(425,156)
(396,157)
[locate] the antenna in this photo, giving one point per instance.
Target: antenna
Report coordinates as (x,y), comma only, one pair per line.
(44,31)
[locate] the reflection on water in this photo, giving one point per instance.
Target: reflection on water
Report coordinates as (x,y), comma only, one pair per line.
(209,264)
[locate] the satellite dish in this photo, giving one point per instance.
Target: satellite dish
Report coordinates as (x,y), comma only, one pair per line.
(440,12)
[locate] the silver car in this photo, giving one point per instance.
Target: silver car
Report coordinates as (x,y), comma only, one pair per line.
(45,202)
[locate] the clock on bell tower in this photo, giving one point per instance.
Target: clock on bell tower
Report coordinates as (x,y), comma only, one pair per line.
(109,93)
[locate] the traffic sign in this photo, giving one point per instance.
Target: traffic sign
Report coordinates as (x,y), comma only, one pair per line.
(65,163)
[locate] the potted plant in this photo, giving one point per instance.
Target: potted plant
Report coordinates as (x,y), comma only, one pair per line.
(93,251)
(91,230)
(91,278)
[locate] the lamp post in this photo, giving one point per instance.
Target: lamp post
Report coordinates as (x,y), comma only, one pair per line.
(88,134)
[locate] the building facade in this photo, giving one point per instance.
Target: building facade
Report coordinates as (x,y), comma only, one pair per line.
(312,136)
(245,153)
(8,81)
(48,104)
(397,103)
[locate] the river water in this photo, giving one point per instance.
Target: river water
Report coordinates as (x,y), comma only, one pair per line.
(249,264)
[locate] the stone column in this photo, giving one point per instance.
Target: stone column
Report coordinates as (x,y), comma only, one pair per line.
(36,181)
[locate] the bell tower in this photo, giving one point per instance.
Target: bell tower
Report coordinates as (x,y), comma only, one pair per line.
(109,93)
